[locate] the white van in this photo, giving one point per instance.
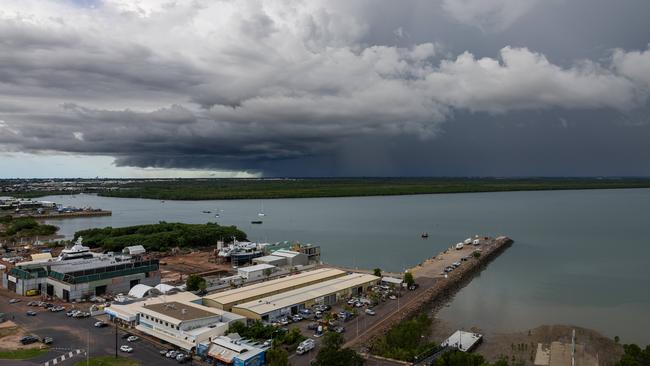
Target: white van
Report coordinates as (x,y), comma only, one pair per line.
(305,346)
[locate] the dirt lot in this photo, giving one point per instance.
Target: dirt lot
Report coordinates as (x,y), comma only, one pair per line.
(176,267)
(10,335)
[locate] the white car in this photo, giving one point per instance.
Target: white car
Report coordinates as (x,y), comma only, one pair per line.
(132,339)
(370,312)
(126,349)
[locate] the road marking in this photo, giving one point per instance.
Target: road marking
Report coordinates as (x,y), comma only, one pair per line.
(62,357)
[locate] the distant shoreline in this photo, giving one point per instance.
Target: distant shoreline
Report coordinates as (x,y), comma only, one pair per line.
(236,189)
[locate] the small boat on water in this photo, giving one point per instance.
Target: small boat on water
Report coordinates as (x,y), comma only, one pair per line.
(261,213)
(425,235)
(256,222)
(206,211)
(216,215)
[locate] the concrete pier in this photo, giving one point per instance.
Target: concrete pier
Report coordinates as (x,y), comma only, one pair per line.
(435,287)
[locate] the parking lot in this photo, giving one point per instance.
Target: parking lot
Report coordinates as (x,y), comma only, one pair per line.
(71,334)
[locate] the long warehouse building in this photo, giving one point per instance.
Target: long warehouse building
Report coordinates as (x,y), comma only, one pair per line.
(227,299)
(291,302)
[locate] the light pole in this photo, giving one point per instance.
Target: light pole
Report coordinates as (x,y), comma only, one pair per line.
(115,337)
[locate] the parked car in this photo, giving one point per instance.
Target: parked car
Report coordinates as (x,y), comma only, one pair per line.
(392,297)
(48,340)
(370,312)
(180,357)
(31,313)
(163,352)
(100,324)
(13,301)
(28,340)
(296,318)
(172,354)
(32,303)
(312,326)
(132,338)
(71,312)
(126,349)
(339,329)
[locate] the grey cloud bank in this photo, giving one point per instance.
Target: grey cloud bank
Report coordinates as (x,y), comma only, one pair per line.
(324,87)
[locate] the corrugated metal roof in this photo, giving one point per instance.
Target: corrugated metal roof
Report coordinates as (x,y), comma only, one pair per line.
(290,298)
(257,267)
(260,289)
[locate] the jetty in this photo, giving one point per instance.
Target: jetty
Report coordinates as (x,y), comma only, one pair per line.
(65,215)
(437,283)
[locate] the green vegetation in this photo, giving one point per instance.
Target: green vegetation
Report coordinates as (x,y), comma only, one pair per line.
(160,237)
(277,356)
(22,354)
(408,279)
(331,353)
(406,340)
(456,358)
(24,227)
(195,283)
(635,356)
(209,189)
(258,331)
(476,254)
(377,272)
(108,361)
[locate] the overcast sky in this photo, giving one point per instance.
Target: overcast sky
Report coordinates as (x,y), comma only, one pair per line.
(149,88)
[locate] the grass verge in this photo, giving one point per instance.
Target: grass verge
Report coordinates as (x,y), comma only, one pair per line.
(108,361)
(21,354)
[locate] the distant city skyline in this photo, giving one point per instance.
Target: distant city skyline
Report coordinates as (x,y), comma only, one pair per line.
(148,88)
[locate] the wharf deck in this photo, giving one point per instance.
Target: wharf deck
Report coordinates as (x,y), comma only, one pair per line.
(434,286)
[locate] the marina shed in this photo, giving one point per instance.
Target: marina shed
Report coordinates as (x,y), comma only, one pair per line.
(227,299)
(256,272)
(291,302)
(273,260)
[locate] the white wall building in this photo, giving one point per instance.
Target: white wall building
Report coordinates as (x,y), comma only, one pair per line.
(184,324)
(256,272)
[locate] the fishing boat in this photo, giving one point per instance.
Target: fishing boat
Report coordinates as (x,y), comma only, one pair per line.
(425,235)
(206,211)
(256,222)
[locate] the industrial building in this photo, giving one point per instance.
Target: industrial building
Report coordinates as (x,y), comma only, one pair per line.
(290,302)
(256,272)
(178,319)
(235,351)
(227,299)
(284,258)
(79,273)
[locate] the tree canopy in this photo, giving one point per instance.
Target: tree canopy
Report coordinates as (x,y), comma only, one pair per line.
(195,283)
(160,237)
(331,353)
(635,356)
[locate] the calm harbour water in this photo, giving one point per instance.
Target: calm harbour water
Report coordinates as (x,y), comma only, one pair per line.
(580,257)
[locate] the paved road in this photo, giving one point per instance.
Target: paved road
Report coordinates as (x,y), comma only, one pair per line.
(71,334)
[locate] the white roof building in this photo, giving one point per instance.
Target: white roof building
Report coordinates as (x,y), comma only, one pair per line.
(134,250)
(139,291)
(463,341)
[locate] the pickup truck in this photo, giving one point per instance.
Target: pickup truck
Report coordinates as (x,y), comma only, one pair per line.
(305,346)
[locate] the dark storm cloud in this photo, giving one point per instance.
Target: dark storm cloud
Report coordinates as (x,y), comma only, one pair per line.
(273,86)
